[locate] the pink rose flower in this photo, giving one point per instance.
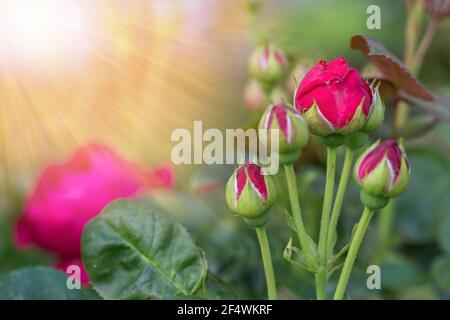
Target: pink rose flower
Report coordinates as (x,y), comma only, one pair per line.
(68,195)
(334,98)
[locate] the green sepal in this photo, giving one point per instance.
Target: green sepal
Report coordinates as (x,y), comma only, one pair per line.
(357,122)
(289,157)
(357,140)
(258,221)
(402,180)
(376,115)
(373,202)
(317,123)
(334,140)
(378,181)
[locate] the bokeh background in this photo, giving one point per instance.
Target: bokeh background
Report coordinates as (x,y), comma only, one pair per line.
(127,73)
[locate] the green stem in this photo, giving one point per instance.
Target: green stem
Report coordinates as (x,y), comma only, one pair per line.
(352,253)
(321,276)
(296,212)
(321,284)
(267,262)
(385,222)
(346,168)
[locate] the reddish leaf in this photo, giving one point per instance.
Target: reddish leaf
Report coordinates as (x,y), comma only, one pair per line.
(391,67)
(387,89)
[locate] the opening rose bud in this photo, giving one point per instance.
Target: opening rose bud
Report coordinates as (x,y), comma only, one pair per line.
(334,98)
(382,171)
(249,193)
(293,130)
(267,65)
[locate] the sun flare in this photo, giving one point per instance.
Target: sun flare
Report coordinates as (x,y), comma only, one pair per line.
(120,73)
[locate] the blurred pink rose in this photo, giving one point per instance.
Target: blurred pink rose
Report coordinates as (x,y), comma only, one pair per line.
(67,196)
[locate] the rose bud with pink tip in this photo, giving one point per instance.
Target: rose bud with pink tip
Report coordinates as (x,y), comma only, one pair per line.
(293,130)
(382,172)
(250,194)
(267,65)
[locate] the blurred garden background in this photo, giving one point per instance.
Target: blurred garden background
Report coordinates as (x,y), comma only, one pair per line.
(125,74)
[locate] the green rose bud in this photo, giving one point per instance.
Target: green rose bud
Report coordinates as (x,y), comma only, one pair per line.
(294,134)
(267,65)
(382,172)
(250,194)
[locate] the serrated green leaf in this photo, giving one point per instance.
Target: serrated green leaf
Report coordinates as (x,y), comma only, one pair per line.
(217,288)
(133,251)
(440,272)
(40,283)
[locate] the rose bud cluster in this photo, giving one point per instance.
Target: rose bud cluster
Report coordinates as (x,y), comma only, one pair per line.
(293,130)
(335,100)
(382,172)
(267,65)
(250,194)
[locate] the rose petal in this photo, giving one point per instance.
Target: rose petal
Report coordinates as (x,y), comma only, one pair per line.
(257,180)
(388,148)
(241,180)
